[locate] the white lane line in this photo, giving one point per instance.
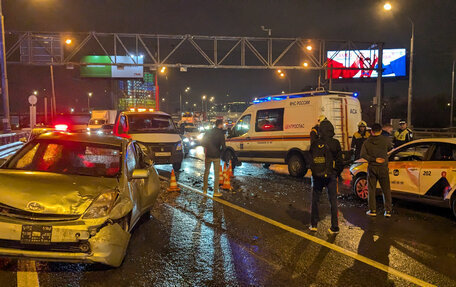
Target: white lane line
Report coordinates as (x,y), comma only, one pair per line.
(314,239)
(26,274)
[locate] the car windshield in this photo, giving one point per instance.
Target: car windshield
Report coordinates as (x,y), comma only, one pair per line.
(68,157)
(191,129)
(97,122)
(151,123)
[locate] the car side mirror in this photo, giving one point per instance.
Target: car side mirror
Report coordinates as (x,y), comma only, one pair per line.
(140,174)
(230,132)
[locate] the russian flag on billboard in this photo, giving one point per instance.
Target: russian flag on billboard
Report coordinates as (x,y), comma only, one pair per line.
(394,63)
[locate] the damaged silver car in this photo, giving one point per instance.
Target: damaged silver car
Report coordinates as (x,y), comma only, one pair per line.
(74,197)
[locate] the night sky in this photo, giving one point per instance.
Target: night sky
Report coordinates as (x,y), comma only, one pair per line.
(357,20)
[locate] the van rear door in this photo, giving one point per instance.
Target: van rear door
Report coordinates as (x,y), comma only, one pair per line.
(336,110)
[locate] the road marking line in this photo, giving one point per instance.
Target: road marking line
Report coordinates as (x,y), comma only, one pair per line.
(26,274)
(314,239)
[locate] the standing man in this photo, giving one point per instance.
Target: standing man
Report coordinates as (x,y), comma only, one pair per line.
(326,166)
(358,138)
(214,144)
(375,151)
(387,132)
(403,134)
(315,132)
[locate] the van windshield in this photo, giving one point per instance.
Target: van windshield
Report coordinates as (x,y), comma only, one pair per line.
(150,123)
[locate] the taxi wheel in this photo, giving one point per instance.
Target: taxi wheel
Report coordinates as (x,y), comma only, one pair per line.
(297,166)
(360,187)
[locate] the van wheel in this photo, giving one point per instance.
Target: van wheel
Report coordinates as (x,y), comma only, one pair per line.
(297,166)
(177,166)
(360,187)
(229,156)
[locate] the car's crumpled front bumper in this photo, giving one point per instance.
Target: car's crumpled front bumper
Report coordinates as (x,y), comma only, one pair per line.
(71,241)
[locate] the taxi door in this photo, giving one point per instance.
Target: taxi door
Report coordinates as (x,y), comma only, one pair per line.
(438,174)
(405,167)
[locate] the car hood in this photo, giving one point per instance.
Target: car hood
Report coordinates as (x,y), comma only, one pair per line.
(51,193)
(156,137)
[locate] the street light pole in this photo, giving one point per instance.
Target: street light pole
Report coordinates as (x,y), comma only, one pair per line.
(452,95)
(410,88)
(6,107)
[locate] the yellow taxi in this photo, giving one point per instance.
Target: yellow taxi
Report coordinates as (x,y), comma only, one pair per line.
(423,170)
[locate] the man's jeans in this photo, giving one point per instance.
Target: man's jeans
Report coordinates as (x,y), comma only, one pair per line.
(331,187)
(207,169)
(380,174)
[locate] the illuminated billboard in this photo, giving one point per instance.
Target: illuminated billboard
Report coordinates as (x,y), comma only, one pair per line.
(394,63)
(96,69)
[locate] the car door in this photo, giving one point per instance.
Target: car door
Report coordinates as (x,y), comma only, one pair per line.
(405,167)
(241,137)
(134,185)
(151,187)
(438,174)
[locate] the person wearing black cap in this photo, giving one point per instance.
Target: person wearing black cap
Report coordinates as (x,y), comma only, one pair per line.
(402,135)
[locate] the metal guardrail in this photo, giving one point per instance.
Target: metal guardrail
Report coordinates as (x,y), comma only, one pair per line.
(13,137)
(9,149)
(422,133)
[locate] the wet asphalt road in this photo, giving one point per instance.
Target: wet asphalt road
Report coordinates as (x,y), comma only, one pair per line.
(190,240)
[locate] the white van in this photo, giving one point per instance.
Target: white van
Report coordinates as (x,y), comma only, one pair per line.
(276,129)
(157,132)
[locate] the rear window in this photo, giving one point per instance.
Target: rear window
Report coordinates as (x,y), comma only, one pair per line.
(269,120)
(151,123)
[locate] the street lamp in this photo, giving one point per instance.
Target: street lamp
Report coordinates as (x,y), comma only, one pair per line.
(305,64)
(89,95)
(388,7)
(203,98)
(187,89)
(282,75)
(309,48)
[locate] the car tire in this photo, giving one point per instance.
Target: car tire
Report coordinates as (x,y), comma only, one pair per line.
(177,166)
(297,166)
(360,187)
(453,205)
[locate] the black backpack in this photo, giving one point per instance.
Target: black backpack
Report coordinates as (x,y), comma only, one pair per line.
(322,163)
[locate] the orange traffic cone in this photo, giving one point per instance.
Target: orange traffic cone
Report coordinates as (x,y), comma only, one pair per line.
(226,181)
(173,183)
(221,177)
(230,170)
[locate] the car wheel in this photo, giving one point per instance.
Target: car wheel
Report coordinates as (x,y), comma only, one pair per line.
(453,205)
(297,166)
(360,187)
(177,166)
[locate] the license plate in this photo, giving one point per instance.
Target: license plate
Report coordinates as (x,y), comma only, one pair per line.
(162,154)
(36,234)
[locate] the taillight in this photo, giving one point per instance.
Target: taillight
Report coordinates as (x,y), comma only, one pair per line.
(61,127)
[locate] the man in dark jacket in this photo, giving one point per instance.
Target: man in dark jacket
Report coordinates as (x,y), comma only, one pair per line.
(375,151)
(214,144)
(358,138)
(326,166)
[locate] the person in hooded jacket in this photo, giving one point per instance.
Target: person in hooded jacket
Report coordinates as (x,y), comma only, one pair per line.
(375,151)
(358,139)
(327,128)
(328,179)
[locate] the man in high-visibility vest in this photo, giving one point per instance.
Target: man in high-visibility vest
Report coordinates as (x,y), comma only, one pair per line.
(402,135)
(358,138)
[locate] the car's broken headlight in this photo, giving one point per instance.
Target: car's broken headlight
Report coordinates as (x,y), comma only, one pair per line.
(101,206)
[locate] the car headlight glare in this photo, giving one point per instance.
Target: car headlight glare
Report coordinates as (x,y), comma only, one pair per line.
(101,206)
(186,140)
(200,136)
